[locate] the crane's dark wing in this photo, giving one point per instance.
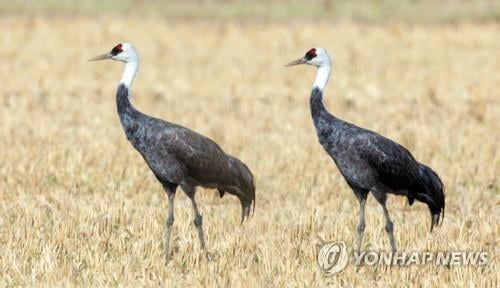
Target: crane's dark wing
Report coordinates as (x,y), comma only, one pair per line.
(206,164)
(203,160)
(394,165)
(183,156)
(397,169)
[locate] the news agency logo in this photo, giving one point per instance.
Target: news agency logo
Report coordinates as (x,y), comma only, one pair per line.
(333,257)
(439,258)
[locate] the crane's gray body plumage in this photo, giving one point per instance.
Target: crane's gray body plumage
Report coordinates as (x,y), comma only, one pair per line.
(371,162)
(179,156)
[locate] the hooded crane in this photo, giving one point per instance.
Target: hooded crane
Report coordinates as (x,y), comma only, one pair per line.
(176,155)
(368,161)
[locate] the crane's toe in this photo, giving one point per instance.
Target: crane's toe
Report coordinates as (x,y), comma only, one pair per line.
(164,255)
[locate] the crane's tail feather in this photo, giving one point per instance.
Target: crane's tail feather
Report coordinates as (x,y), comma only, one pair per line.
(248,191)
(246,207)
(434,221)
(245,211)
(253,210)
(242,186)
(431,192)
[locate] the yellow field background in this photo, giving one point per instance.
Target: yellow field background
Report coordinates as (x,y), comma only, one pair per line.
(79,207)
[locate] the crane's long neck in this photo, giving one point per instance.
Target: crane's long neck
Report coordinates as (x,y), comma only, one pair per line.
(322,76)
(128,114)
(129,72)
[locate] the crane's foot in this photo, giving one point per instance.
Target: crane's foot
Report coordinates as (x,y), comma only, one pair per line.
(198,223)
(169,222)
(168,230)
(389,228)
(357,253)
(164,255)
(207,256)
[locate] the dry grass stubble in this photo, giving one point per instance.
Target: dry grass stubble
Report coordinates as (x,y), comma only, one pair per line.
(79,206)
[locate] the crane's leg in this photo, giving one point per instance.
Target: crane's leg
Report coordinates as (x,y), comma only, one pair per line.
(198,219)
(361,195)
(380,194)
(170,189)
(389,227)
(198,222)
(361,225)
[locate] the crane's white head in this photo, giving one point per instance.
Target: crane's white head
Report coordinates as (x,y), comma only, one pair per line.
(315,56)
(123,52)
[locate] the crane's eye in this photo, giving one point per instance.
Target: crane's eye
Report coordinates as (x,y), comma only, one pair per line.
(311,54)
(117,49)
